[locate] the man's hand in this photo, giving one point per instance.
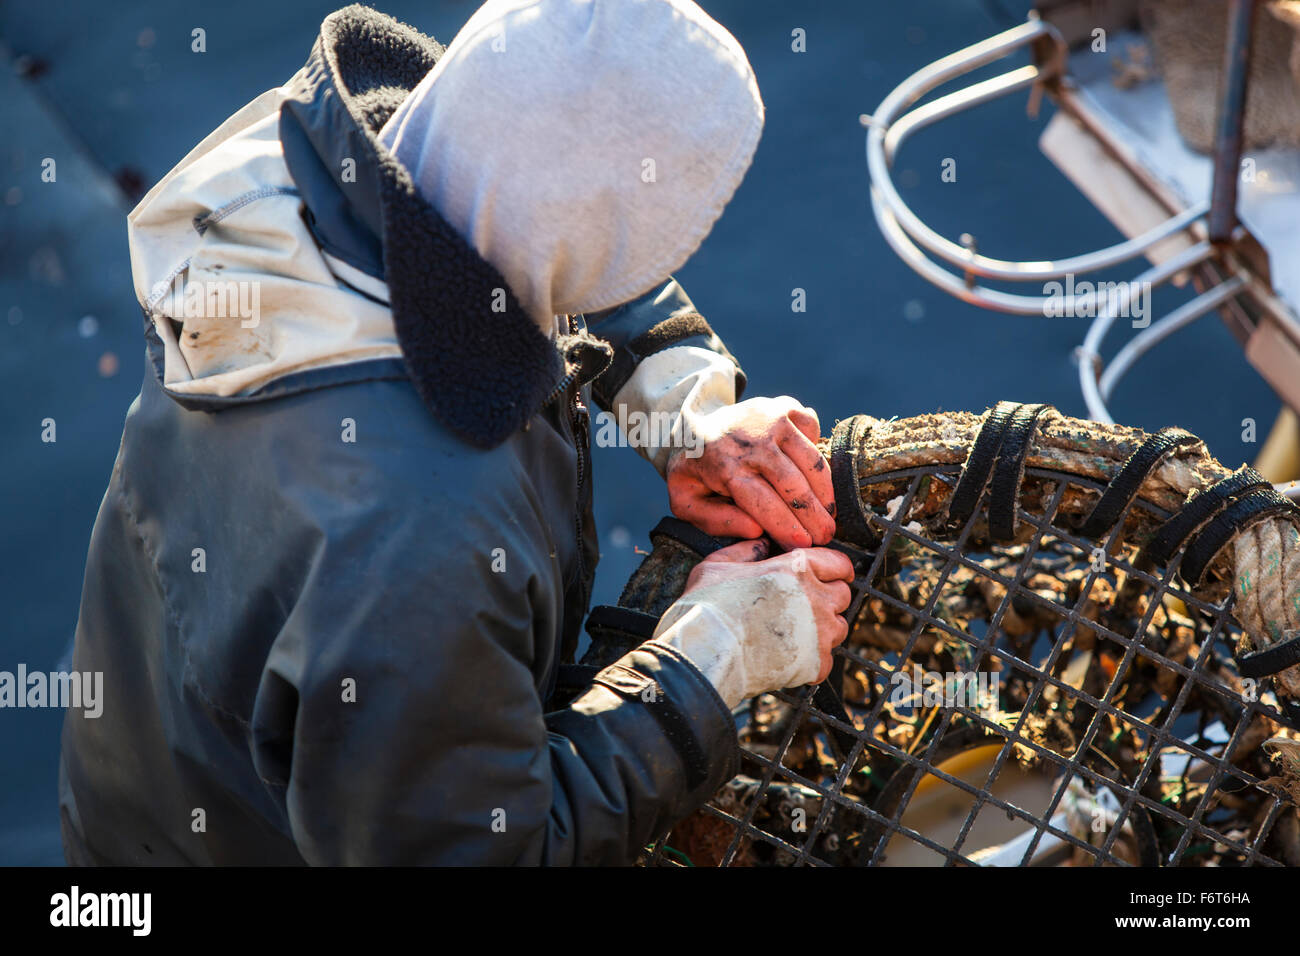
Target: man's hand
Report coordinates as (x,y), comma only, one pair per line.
(755,468)
(753,625)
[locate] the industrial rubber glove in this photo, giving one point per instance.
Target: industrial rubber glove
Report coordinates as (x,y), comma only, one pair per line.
(751,468)
(753,625)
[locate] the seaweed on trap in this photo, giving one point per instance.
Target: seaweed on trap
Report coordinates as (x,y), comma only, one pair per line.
(1120,731)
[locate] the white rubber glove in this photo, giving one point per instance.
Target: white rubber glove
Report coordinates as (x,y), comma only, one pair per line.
(671,387)
(753,625)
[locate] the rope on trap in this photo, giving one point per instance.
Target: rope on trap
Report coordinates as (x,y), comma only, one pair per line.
(1232,528)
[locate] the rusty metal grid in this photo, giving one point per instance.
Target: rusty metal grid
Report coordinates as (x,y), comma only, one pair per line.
(1163,835)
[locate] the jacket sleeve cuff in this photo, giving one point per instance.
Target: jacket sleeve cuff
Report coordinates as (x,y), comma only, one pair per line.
(696,743)
(663,318)
(657,409)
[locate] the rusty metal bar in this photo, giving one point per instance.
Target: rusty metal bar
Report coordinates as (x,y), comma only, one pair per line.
(1232,114)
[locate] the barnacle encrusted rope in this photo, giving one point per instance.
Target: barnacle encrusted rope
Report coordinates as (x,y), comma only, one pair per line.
(1231,529)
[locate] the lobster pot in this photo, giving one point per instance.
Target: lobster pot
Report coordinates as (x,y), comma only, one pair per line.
(1071,644)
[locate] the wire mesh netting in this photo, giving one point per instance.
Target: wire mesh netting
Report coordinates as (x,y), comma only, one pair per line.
(1052,701)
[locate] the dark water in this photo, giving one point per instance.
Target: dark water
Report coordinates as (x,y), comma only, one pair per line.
(115,93)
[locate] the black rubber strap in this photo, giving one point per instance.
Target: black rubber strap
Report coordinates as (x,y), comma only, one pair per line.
(1270,660)
(827,699)
(1004,491)
(689,536)
(1126,484)
(1170,537)
(851,523)
(1291,709)
(1239,515)
(624,619)
(862,558)
(979,464)
(827,696)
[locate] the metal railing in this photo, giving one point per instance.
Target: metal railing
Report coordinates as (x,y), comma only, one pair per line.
(958,267)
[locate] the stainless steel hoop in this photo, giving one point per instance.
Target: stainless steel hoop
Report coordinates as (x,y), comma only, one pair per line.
(920,246)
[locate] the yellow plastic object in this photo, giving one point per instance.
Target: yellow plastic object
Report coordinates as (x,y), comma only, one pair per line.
(1279,459)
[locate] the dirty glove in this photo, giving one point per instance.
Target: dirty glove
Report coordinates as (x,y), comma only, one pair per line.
(670,388)
(753,625)
(751,468)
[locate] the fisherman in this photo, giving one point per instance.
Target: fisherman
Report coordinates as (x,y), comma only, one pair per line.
(348,542)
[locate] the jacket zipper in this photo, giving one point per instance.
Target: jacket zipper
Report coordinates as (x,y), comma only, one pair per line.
(579,441)
(560,389)
(582,503)
(579,434)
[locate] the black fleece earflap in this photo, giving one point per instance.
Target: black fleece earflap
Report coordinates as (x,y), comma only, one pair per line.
(483,373)
(477,359)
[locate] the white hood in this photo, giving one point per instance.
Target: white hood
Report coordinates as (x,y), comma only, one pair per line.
(584,148)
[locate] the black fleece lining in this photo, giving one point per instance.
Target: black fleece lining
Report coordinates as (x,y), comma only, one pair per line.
(669,332)
(623,620)
(483,373)
(615,631)
(684,328)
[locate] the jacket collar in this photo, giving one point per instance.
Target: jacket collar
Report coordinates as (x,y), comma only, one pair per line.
(477,359)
